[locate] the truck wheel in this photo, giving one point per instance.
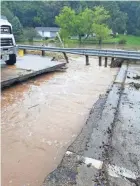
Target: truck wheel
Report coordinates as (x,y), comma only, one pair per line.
(12,59)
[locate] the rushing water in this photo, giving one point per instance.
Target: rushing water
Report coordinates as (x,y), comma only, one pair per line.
(41,118)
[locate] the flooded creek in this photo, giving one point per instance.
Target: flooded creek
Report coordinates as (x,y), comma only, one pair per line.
(43,116)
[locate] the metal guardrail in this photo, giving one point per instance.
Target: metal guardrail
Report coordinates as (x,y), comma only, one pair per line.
(87,52)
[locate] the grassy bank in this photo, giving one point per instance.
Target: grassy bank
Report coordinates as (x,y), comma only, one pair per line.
(37,41)
(130,40)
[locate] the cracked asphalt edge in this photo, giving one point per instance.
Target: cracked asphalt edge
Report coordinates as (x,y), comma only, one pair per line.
(93,142)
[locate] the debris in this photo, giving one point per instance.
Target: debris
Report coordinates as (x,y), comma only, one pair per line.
(136,77)
(28,70)
(116,63)
(136,85)
(80,162)
(33,106)
(53,59)
(89,165)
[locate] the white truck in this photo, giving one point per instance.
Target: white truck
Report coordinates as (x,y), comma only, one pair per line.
(7,42)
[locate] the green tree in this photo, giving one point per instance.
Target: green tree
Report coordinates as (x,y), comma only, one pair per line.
(73,24)
(138,19)
(83,23)
(64,35)
(124,16)
(30,34)
(6,11)
(132,8)
(17,28)
(87,21)
(118,24)
(100,27)
(118,19)
(102,32)
(65,20)
(100,15)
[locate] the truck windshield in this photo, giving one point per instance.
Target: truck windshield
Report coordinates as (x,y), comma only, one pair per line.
(5,29)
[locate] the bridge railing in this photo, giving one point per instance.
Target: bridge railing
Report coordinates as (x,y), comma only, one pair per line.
(123,54)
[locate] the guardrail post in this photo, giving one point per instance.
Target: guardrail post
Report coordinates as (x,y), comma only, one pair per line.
(105,61)
(43,53)
(87,60)
(112,60)
(100,61)
(66,57)
(24,51)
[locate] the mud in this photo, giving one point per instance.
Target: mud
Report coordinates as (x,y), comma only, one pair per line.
(42,117)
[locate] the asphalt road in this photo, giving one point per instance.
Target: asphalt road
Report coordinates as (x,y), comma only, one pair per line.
(26,67)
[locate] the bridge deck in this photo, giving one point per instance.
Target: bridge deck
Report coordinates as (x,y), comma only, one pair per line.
(26,67)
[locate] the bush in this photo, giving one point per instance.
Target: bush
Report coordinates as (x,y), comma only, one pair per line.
(56,38)
(51,40)
(122,41)
(30,33)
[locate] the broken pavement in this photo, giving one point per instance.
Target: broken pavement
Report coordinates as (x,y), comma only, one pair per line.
(107,150)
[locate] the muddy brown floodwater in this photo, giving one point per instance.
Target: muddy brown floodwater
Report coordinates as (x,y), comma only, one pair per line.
(42,117)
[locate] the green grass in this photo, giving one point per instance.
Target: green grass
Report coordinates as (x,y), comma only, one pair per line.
(130,40)
(37,41)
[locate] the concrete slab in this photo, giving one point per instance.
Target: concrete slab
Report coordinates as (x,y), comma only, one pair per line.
(121,75)
(26,67)
(126,135)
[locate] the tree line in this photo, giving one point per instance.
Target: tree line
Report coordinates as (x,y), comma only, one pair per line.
(123,16)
